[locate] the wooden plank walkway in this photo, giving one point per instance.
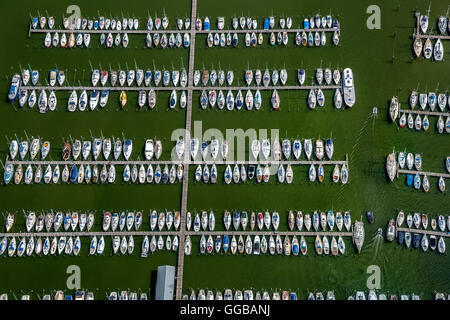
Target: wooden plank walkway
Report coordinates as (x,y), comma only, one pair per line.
(268,31)
(189,88)
(427,113)
(423,173)
(175,162)
(177,233)
(184,190)
(182,31)
(427,232)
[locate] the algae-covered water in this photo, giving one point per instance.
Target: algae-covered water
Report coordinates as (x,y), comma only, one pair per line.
(382,67)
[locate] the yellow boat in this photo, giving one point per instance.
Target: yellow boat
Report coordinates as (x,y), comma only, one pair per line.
(123,99)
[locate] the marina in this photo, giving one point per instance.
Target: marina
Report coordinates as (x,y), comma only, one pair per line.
(366,65)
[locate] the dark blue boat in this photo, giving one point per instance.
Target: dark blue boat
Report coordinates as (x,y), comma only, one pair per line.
(266,24)
(73,174)
(164,176)
(225,243)
(370,216)
(401,236)
(416,240)
(409,179)
(335,24)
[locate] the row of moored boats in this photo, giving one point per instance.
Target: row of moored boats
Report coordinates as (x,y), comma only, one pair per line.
(265,220)
(108,40)
(416,240)
(250,23)
(412,161)
(91,173)
(427,48)
(252,39)
(273,245)
(228,294)
(420,122)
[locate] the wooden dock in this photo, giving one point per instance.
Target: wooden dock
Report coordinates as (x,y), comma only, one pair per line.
(427,113)
(268,31)
(189,88)
(182,31)
(178,233)
(185,162)
(184,190)
(423,173)
(427,232)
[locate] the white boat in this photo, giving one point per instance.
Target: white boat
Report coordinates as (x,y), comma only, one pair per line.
(179,148)
(391,166)
(438,51)
(428,49)
(319,149)
(265,146)
(423,23)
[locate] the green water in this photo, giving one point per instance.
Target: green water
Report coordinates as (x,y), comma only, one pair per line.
(382,67)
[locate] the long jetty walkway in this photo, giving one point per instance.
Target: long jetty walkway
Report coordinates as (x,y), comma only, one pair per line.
(427,232)
(427,113)
(179,233)
(192,31)
(423,173)
(185,162)
(189,88)
(184,190)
